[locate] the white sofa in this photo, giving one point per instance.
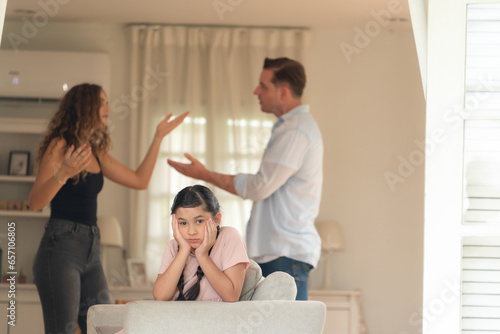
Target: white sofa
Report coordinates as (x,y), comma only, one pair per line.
(267,305)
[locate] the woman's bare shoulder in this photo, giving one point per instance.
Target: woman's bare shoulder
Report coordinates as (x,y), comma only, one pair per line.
(57,146)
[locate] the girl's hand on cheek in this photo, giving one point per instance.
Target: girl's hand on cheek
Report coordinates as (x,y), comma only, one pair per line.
(209,239)
(183,244)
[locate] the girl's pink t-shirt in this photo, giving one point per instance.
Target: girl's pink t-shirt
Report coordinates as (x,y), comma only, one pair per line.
(227,251)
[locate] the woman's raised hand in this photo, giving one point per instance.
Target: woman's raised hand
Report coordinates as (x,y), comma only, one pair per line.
(165,127)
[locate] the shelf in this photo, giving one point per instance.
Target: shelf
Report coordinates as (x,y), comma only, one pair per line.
(27,292)
(28,214)
(15,178)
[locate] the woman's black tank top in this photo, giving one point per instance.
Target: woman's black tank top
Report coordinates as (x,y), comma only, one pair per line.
(78,202)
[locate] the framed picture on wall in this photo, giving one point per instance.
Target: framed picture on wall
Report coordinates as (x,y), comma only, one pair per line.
(137,273)
(19,162)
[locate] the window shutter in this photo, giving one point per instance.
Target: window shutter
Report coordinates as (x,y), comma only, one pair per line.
(482,172)
(483,57)
(480,285)
(480,272)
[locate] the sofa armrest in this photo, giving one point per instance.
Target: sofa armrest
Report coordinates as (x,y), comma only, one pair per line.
(265,316)
(105,318)
(276,286)
(253,276)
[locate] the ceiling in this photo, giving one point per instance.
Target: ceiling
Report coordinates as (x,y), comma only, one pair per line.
(336,14)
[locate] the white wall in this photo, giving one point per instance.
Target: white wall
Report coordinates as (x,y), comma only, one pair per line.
(110,38)
(370,111)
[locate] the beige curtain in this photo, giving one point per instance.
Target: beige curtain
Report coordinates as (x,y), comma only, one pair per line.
(212,72)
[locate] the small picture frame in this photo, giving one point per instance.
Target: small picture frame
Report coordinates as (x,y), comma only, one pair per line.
(137,273)
(19,162)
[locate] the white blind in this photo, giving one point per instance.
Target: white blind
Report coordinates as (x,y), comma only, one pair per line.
(483,57)
(482,172)
(480,272)
(480,285)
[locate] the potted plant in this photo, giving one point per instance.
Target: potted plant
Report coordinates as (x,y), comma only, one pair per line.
(22,278)
(5,277)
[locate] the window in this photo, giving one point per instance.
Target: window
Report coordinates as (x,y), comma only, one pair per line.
(462,218)
(244,143)
(166,182)
(211,71)
(480,273)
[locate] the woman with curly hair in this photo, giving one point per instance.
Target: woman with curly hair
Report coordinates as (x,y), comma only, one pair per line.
(71,164)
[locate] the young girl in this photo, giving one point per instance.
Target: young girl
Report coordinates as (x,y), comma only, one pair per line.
(204,261)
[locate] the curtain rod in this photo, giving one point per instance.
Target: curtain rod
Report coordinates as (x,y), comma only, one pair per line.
(158,25)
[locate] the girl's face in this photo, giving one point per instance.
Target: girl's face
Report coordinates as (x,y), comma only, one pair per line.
(192,223)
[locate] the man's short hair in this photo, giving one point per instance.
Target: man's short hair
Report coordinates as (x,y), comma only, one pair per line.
(287,71)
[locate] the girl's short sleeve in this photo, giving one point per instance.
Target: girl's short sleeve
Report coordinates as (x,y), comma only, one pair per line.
(231,250)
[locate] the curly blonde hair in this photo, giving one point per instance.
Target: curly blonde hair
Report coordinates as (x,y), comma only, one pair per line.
(77,121)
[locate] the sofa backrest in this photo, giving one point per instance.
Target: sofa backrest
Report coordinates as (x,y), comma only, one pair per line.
(264,316)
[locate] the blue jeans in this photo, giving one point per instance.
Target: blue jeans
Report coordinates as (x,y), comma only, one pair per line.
(68,275)
(298,270)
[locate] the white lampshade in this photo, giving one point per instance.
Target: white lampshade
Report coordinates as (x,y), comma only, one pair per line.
(111,235)
(331,240)
(111,232)
(331,236)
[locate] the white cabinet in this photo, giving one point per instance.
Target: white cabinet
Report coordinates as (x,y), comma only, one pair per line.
(343,311)
(123,294)
(29,318)
(28,311)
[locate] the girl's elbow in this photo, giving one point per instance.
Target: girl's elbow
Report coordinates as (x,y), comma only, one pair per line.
(232,298)
(156,292)
(158,296)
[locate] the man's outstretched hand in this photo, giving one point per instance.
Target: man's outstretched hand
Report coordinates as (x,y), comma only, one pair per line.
(195,169)
(198,171)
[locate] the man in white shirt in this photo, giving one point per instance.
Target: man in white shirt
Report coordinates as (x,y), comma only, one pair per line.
(286,190)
